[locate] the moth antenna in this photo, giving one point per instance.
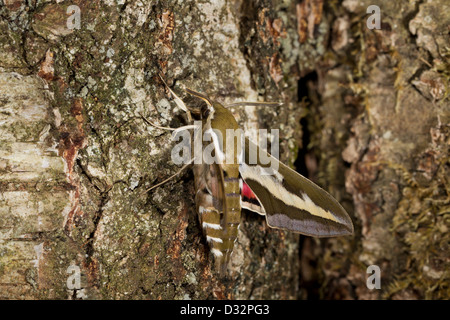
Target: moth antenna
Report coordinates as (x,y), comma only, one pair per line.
(154,125)
(175,130)
(254,104)
(171,177)
(177,99)
(199,95)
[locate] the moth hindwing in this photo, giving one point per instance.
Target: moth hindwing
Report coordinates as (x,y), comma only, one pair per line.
(237,179)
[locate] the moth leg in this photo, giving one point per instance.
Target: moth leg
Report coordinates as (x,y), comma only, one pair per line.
(155,125)
(190,126)
(171,177)
(175,130)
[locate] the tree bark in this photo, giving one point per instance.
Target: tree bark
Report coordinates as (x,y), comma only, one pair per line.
(365,116)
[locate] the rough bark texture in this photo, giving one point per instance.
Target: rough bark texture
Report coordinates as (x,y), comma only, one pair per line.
(366,116)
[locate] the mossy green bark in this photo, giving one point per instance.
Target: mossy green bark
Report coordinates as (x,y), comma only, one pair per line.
(379,122)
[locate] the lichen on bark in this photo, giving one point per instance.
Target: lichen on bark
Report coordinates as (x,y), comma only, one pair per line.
(366,112)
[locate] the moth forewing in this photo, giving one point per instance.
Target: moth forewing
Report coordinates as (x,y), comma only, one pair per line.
(292,202)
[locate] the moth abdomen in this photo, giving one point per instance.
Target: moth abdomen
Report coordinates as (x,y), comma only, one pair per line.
(220,240)
(219,213)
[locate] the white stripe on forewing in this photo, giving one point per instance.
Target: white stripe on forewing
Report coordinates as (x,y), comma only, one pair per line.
(250,206)
(290,199)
